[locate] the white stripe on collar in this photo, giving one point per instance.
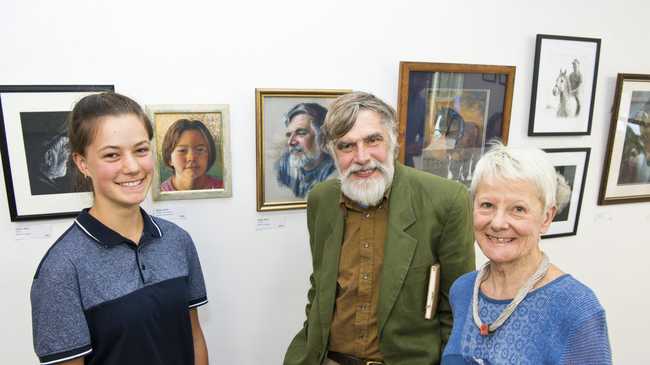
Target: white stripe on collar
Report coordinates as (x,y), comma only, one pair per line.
(155,225)
(87,232)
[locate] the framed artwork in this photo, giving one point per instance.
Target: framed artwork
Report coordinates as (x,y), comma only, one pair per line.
(192,148)
(449,113)
(626,172)
(39,174)
(290,159)
(564,85)
(572,163)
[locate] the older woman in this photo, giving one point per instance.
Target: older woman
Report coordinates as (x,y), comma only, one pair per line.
(519,308)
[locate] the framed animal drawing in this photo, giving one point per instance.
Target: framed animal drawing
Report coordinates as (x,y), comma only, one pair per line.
(564,85)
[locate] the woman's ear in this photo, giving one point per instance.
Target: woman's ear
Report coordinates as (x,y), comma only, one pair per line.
(548,218)
(80,162)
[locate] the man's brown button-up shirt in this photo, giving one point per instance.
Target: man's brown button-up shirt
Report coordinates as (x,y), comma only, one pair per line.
(354,328)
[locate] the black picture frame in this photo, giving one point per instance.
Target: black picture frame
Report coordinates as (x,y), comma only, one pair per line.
(557,105)
(573,164)
(35,152)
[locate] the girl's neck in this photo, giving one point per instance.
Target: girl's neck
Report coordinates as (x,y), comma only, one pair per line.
(127,221)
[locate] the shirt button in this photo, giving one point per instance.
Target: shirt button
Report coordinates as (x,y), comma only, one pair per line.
(365,245)
(367,215)
(364,276)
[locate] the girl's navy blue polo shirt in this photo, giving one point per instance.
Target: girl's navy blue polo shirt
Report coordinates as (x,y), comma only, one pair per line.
(99,295)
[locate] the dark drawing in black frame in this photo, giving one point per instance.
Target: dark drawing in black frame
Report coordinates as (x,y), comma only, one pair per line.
(60,183)
(569,173)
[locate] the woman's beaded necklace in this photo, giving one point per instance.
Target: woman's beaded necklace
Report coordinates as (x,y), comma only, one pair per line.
(487,328)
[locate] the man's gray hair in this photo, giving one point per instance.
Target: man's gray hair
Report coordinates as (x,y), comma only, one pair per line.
(523,164)
(343,112)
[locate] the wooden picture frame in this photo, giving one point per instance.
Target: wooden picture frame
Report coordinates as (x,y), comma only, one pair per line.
(38,171)
(203,164)
(564,85)
(626,170)
(283,181)
(572,164)
(448,114)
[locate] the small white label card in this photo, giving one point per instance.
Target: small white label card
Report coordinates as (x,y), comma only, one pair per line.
(33,231)
(270,222)
(172,214)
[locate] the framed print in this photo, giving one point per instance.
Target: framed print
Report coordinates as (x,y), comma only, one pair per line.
(192,147)
(572,164)
(564,85)
(39,174)
(449,113)
(626,172)
(290,160)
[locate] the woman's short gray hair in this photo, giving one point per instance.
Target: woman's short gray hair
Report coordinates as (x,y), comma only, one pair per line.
(523,164)
(342,115)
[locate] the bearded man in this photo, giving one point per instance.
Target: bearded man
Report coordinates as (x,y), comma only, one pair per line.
(375,232)
(304,164)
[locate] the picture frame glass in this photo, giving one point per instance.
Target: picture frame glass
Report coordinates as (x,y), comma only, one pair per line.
(192,151)
(39,174)
(291,159)
(275,140)
(572,164)
(564,85)
(451,117)
(628,176)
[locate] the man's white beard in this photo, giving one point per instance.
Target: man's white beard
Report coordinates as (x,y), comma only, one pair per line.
(369,191)
(299,160)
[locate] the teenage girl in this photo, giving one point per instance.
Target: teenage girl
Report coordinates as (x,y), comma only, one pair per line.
(119,286)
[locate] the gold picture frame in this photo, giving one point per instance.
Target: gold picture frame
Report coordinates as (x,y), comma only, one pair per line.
(283,181)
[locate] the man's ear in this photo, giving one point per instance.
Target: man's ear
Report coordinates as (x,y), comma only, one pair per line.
(80,162)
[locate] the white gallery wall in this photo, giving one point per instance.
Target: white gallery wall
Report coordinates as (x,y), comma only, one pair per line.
(218,52)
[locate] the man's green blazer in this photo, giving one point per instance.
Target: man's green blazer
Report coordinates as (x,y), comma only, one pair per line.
(429,221)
